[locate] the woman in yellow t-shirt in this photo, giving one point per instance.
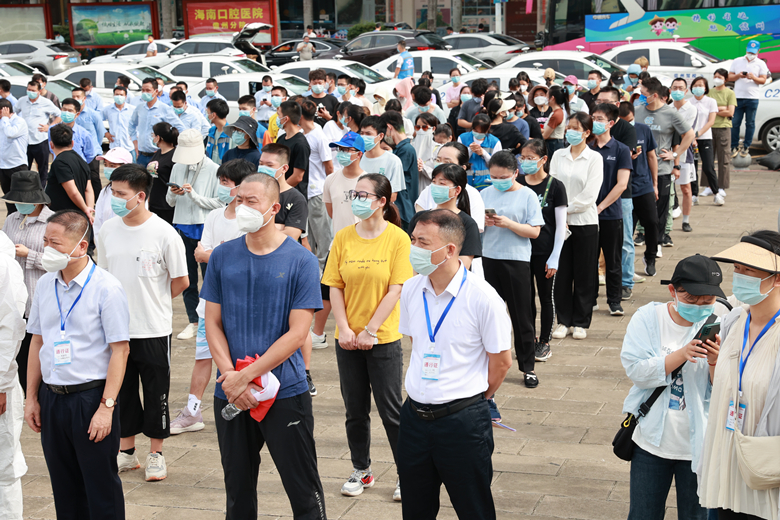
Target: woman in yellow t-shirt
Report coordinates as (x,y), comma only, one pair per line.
(368,264)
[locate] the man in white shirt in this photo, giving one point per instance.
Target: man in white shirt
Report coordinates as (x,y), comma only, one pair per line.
(39,113)
(460,334)
(212,92)
(13,143)
(147,256)
(748,74)
(151,49)
(687,172)
(118,115)
(263,100)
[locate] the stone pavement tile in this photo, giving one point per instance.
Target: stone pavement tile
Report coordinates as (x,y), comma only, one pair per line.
(568,451)
(548,433)
(558,369)
(341,469)
(599,436)
(178,475)
(153,494)
(567,347)
(553,405)
(368,509)
(35,465)
(613,469)
(32,505)
(606,396)
(507,442)
(514,502)
(582,383)
(574,419)
(195,514)
(39,487)
(607,372)
(559,486)
(527,464)
(544,391)
(585,509)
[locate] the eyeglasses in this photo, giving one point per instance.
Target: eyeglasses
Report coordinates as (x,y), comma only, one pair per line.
(359,195)
(424,128)
(346,150)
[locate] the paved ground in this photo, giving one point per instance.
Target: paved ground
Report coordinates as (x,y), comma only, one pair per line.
(559,463)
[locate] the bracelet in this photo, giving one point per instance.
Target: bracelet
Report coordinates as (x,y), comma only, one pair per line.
(370,333)
(712,364)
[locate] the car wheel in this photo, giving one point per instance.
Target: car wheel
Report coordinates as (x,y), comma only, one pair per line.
(490,62)
(770,135)
(41,68)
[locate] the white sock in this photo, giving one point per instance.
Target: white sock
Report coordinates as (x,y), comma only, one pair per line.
(193,404)
(685,218)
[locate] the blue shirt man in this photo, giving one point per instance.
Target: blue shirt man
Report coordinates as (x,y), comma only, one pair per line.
(145,116)
(404,68)
(83,142)
(93,100)
(13,140)
(92,122)
(212,92)
(192,118)
(118,117)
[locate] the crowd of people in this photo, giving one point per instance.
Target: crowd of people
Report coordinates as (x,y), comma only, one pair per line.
(396,218)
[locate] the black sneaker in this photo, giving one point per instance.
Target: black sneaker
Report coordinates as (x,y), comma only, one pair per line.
(542,351)
(667,241)
(615,309)
(639,240)
(649,266)
(312,388)
(687,227)
(626,293)
(530,380)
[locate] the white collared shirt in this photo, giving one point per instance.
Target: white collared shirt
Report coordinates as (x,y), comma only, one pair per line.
(477,325)
(582,178)
(100,317)
(14,135)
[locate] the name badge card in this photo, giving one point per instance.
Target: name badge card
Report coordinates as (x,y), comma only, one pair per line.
(62,352)
(430,366)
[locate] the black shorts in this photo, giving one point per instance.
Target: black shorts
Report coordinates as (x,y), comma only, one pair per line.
(324,289)
(149,361)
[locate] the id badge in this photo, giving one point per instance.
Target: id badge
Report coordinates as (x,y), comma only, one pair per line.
(431,366)
(731,417)
(741,411)
(62,352)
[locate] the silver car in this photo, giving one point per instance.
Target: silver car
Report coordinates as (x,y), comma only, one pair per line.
(491,48)
(48,56)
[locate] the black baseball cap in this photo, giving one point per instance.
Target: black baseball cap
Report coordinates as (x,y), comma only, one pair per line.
(698,275)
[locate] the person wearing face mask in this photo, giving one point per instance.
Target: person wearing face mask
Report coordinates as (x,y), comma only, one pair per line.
(471,103)
(39,113)
(376,159)
(266,262)
(369,264)
(112,160)
(706,112)
(333,129)
(25,228)
(91,121)
(212,92)
(192,194)
(320,96)
(721,131)
(507,133)
(243,137)
(452,94)
(594,87)
(83,311)
(13,142)
(745,388)
(687,172)
(423,99)
(247,106)
(581,170)
(395,137)
(145,116)
(305,49)
(452,118)
(349,153)
(748,73)
(165,139)
(558,113)
(525,84)
(539,108)
(445,429)
(93,99)
(69,186)
(425,147)
(381,96)
(576,103)
(482,145)
(84,143)
(289,117)
(546,248)
(147,256)
(218,141)
(190,116)
(506,250)
(514,115)
(660,350)
(118,115)
(263,101)
(278,96)
(631,79)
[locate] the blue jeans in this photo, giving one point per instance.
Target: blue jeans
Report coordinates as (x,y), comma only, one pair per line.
(628,243)
(746,108)
(651,479)
(143,160)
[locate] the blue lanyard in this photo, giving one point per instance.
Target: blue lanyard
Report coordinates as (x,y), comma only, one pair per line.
(432,333)
(59,307)
(743,362)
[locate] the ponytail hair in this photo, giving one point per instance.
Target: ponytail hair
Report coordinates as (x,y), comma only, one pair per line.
(382,189)
(456,175)
(166,132)
(494,108)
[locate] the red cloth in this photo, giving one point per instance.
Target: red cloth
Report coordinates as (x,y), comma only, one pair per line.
(270,389)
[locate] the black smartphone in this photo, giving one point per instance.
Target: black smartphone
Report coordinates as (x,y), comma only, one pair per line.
(173,185)
(708,332)
(745,73)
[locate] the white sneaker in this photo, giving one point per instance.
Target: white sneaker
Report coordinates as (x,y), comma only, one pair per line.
(358,481)
(560,331)
(695,200)
(659,253)
(596,307)
(602,279)
(706,193)
(188,332)
(677,213)
(638,279)
(719,200)
(156,469)
(579,333)
(319,342)
(397,492)
(127,462)
(722,192)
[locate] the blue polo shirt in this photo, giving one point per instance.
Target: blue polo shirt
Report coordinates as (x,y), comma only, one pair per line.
(642,179)
(616,157)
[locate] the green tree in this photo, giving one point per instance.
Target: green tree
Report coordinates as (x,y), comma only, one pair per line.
(360,28)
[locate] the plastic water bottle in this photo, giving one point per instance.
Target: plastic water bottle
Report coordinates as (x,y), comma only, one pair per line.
(230,412)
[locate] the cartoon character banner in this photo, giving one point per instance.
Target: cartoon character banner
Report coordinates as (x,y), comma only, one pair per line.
(687,23)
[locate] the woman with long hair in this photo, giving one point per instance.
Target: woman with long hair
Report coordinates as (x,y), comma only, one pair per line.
(165,137)
(368,264)
(425,146)
(555,127)
(498,112)
(706,112)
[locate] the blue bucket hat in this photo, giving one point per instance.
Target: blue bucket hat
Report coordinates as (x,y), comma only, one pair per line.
(350,140)
(634,68)
(753,47)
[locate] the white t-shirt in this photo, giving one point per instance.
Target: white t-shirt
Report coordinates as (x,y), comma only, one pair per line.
(263,112)
(704,108)
(747,88)
(218,229)
(477,205)
(335,192)
(152,47)
(388,165)
(144,259)
(320,153)
(103,211)
(332,131)
(676,437)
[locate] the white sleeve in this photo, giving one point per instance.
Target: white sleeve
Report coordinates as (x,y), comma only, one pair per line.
(11,321)
(175,256)
(560,237)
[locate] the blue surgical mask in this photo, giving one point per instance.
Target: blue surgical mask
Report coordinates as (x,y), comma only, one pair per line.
(593,83)
(479,136)
(641,101)
(246,113)
(344,158)
(502,184)
(747,289)
(238,138)
(343,121)
(693,313)
(179,111)
(317,89)
(276,101)
(67,117)
(698,91)
(147,96)
(423,108)
(632,122)
(465,98)
(574,137)
(677,95)
(455,80)
(107,172)
(440,194)
(599,127)
(634,81)
(421,260)
(223,194)
(268,88)
(571,89)
(119,206)
(529,166)
(362,208)
(32,95)
(369,142)
(119,100)
(25,209)
(211,93)
(341,90)
(267,170)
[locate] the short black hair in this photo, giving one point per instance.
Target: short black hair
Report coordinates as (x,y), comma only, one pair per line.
(135,176)
(503,159)
(247,100)
(625,108)
(178,95)
(180,83)
(292,110)
(34,84)
(479,86)
(443,129)
(394,119)
(268,78)
(61,136)
(40,78)
(123,80)
(280,88)
(344,77)
(611,90)
(218,107)
(235,170)
(722,72)
(685,82)
(374,122)
(4,103)
(148,80)
(653,86)
(5,85)
(608,109)
(75,222)
(597,73)
(422,96)
(359,84)
(451,227)
(277,149)
(331,75)
(308,109)
(123,90)
(212,80)
(72,102)
(85,82)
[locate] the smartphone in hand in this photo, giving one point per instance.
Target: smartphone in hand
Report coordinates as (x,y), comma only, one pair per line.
(173,185)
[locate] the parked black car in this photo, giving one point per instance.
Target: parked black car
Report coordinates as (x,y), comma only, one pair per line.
(372,47)
(284,53)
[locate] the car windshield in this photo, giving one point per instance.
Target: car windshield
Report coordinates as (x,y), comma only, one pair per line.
(431,38)
(293,84)
(366,74)
(148,72)
(60,88)
(248,65)
(604,64)
(471,60)
(507,40)
(15,68)
(61,47)
(702,54)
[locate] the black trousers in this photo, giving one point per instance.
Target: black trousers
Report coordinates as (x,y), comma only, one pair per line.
(512,281)
(190,294)
(611,243)
(5,183)
(94,177)
(84,475)
(662,204)
(646,213)
(150,362)
(707,154)
(728,514)
(289,430)
(21,361)
(39,154)
(545,287)
(455,451)
(576,286)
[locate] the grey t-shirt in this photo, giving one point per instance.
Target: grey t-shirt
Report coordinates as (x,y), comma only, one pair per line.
(388,165)
(662,122)
(470,108)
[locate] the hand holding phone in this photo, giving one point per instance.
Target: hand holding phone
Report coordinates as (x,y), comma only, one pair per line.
(708,332)
(173,185)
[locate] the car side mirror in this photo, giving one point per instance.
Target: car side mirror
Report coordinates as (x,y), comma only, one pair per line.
(448,47)
(133,87)
(696,63)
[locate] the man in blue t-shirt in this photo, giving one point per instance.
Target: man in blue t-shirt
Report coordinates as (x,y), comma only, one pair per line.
(261,291)
(405,66)
(617,171)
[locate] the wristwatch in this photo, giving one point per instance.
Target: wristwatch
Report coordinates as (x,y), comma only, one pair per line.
(108,402)
(675,154)
(676,167)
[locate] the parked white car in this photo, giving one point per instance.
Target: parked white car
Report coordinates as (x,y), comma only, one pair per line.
(575,63)
(372,77)
(103,77)
(767,117)
(59,87)
(203,67)
(676,60)
(133,52)
(503,76)
(10,68)
(440,63)
(491,48)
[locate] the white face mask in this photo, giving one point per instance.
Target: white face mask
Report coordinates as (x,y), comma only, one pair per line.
(540,101)
(717,82)
(249,219)
(53,260)
(750,57)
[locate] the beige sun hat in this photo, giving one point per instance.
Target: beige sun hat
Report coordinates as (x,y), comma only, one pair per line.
(190,149)
(752,252)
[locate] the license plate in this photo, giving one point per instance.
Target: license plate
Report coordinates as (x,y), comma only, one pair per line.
(74,60)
